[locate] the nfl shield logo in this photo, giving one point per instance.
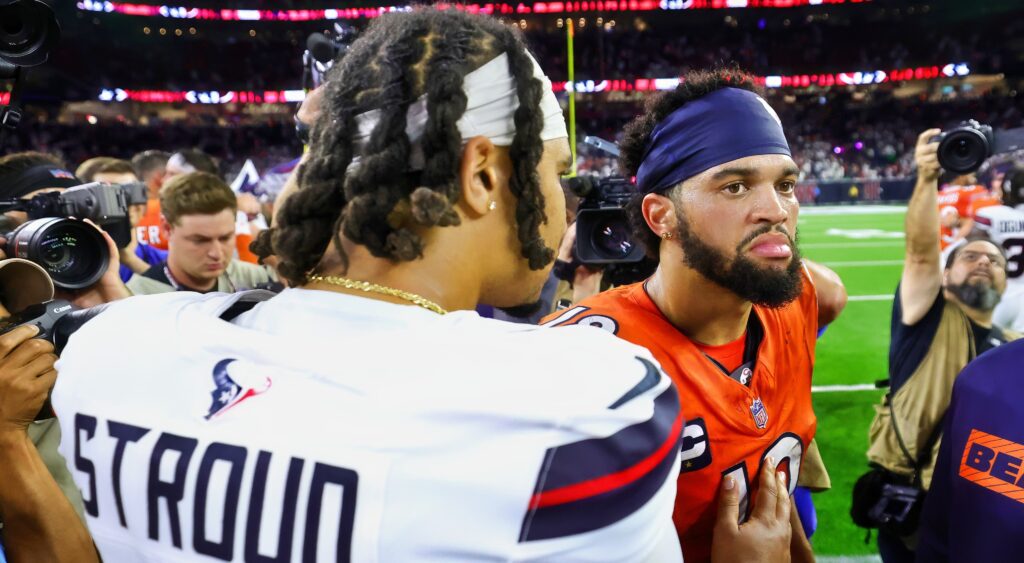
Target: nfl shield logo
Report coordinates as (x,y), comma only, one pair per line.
(760,414)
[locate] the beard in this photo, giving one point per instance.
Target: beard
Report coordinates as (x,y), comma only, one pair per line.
(979,295)
(764,286)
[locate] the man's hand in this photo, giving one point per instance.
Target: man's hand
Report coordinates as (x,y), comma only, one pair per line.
(586,283)
(39,521)
(568,242)
(766,536)
(249,204)
(926,156)
(26,376)
(922,271)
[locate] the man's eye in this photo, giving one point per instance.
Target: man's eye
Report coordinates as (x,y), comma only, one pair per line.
(787,187)
(735,189)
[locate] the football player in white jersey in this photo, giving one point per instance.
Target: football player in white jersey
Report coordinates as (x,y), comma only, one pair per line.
(353,418)
(1004,224)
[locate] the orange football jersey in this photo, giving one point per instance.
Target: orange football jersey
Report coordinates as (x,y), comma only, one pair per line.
(960,197)
(982,202)
(731,428)
(150,229)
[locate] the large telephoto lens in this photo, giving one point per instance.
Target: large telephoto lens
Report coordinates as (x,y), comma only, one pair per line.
(963,150)
(73,253)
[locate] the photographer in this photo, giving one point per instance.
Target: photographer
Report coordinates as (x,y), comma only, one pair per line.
(941,320)
(39,522)
(36,478)
(199,216)
(26,174)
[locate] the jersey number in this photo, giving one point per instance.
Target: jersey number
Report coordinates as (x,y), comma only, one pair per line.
(787,450)
(1014,257)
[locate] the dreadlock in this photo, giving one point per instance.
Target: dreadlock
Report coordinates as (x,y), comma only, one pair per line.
(380,203)
(637,135)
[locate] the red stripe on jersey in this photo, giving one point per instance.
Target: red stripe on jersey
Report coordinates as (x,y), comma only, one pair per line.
(607,483)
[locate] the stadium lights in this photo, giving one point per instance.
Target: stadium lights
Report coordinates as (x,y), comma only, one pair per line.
(491,8)
(799,81)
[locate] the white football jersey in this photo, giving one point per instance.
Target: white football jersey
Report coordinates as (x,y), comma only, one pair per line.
(326,427)
(1005,226)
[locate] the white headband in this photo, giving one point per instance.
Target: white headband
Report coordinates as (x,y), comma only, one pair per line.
(491,102)
(178,161)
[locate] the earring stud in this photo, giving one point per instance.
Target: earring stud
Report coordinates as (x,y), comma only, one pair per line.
(492,205)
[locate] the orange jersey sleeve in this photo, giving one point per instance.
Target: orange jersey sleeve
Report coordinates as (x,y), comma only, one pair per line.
(731,428)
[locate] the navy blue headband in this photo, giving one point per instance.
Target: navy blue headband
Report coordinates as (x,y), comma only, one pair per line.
(36,178)
(720,127)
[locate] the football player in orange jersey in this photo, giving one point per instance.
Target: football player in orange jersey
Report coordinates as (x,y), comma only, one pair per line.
(962,193)
(732,311)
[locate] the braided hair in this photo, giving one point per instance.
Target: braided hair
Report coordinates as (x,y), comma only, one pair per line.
(692,86)
(381,203)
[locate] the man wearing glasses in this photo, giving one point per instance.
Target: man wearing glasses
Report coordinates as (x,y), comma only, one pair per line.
(941,320)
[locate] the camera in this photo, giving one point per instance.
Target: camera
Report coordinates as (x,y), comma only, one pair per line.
(135,193)
(604,237)
(603,234)
(28,34)
(322,50)
(57,321)
(966,147)
(72,252)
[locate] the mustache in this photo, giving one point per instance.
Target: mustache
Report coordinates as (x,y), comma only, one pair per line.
(763,231)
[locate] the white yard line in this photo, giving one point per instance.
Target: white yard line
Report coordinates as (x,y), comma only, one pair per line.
(895,243)
(886,297)
(863,263)
(809,211)
(843,388)
(849,559)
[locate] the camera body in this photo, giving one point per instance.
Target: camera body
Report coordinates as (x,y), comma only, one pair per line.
(103,204)
(46,316)
(604,237)
(967,146)
(135,193)
(603,234)
(57,321)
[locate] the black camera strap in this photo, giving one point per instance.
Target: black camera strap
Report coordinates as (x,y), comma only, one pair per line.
(244,301)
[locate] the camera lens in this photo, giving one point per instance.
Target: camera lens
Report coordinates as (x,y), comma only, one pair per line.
(963,150)
(73,253)
(28,32)
(612,238)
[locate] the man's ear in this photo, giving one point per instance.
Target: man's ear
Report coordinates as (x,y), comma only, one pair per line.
(660,214)
(479,176)
(165,225)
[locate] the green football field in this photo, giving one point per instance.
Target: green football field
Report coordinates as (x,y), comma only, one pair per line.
(864,245)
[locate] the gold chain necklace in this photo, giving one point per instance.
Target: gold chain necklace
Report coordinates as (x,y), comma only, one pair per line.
(382,289)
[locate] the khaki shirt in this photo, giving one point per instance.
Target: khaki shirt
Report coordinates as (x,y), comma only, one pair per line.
(238,276)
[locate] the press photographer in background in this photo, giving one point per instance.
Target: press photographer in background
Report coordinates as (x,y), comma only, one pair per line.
(941,321)
(34,186)
(36,479)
